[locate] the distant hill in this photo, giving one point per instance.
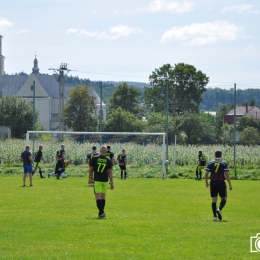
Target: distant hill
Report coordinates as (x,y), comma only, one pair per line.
(215,98)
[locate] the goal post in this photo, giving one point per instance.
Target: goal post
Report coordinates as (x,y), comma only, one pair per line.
(164,173)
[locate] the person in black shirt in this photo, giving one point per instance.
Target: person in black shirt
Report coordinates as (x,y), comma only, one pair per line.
(121,158)
(110,155)
(89,157)
(102,168)
(60,161)
(219,172)
(26,158)
(37,159)
(201,165)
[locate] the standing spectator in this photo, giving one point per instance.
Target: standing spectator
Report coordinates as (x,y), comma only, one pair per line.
(37,159)
(102,168)
(201,165)
(89,158)
(26,158)
(60,161)
(121,158)
(219,171)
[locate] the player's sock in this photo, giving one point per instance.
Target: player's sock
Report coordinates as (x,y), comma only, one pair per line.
(125,175)
(222,204)
(214,208)
(99,206)
(197,174)
(103,204)
(41,174)
(121,175)
(200,174)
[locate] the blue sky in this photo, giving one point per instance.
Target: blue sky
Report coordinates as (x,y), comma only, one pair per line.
(127,40)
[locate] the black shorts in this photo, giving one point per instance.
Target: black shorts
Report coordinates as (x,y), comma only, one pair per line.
(218,188)
(59,164)
(122,167)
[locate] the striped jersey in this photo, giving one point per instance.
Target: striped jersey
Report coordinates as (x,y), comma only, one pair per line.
(217,169)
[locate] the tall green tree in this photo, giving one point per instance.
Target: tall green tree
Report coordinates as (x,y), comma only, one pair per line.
(185,86)
(128,98)
(249,136)
(18,114)
(190,124)
(122,121)
(227,134)
(79,110)
(248,122)
(219,121)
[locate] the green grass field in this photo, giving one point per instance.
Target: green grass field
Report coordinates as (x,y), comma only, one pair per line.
(146,219)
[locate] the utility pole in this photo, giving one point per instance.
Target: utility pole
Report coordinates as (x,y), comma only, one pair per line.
(235,108)
(167,119)
(33,126)
(100,112)
(61,75)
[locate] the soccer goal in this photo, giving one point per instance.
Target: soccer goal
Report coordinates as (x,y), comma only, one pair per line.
(148,155)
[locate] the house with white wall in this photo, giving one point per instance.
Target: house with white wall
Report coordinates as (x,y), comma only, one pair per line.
(46,95)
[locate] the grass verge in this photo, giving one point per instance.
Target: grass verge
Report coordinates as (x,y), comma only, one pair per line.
(146,219)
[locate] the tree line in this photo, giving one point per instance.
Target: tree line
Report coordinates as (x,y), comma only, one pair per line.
(175,95)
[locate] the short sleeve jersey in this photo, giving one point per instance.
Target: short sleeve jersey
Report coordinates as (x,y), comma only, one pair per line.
(101,164)
(121,159)
(91,155)
(60,153)
(202,159)
(38,156)
(25,155)
(217,169)
(110,155)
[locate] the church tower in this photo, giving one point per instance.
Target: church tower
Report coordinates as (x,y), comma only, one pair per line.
(35,68)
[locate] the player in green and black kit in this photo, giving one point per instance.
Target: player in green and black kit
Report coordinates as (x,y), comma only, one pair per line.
(102,168)
(201,165)
(121,158)
(37,159)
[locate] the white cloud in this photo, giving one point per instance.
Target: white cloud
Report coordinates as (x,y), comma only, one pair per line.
(246,8)
(22,31)
(203,33)
(5,23)
(169,6)
(112,34)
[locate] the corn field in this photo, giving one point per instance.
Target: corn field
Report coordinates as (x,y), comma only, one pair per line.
(11,149)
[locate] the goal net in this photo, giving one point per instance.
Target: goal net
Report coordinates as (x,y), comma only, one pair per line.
(143,149)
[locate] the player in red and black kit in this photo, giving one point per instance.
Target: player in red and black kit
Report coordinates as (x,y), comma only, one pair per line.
(121,158)
(219,172)
(102,168)
(60,164)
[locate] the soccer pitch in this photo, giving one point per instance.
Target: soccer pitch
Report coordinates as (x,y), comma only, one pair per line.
(146,219)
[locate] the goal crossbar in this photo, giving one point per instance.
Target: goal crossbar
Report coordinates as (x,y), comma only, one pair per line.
(164,174)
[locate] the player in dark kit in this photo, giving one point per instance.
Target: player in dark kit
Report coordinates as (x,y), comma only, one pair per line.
(37,159)
(60,161)
(89,158)
(201,165)
(110,155)
(219,172)
(121,158)
(102,168)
